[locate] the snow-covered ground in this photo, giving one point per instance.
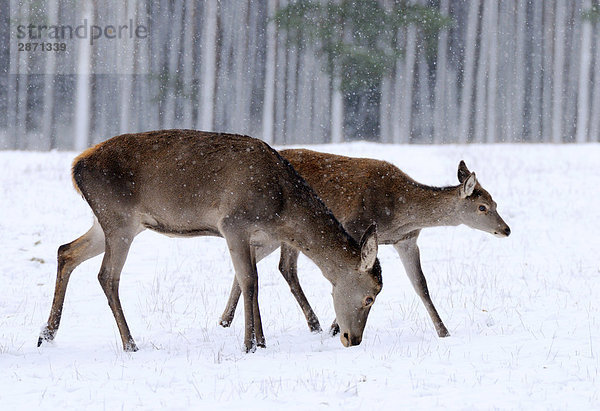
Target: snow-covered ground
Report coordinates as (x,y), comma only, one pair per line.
(523,312)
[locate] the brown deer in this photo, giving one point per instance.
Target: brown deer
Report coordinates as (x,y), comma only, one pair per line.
(190,183)
(361,191)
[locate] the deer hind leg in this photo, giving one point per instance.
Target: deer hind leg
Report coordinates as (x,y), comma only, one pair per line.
(288,266)
(70,256)
(235,293)
(117,247)
(410,256)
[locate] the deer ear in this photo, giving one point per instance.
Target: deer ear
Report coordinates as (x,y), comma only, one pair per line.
(368,248)
(468,186)
(463,172)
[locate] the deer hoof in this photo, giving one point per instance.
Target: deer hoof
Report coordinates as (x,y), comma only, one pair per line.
(225,323)
(250,347)
(315,328)
(45,335)
(335,329)
(130,346)
(443,332)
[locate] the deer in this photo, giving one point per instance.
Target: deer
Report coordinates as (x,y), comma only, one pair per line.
(185,183)
(363,191)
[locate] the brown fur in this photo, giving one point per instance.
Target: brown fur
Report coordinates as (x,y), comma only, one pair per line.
(361,191)
(188,183)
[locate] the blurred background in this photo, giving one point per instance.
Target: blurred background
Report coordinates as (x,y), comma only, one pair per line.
(298,72)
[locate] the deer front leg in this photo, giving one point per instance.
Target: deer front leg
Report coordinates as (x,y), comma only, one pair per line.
(244,263)
(260,252)
(410,256)
(69,257)
(288,266)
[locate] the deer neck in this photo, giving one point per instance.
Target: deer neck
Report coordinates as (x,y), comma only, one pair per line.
(429,207)
(322,239)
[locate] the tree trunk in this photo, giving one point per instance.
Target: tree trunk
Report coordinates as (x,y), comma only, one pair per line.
(558,70)
(520,73)
(468,70)
(490,136)
(173,67)
(126,63)
(268,115)
(239,113)
(584,77)
(209,64)
(48,130)
(547,71)
(440,111)
(337,111)
(482,72)
(537,72)
(595,116)
(408,77)
(82,99)
(188,64)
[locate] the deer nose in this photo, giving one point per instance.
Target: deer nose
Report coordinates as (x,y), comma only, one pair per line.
(507,231)
(349,341)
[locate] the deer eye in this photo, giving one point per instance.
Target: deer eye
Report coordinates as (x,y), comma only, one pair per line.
(368,301)
(482,208)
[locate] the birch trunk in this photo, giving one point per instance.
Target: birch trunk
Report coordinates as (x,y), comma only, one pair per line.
(240,54)
(209,64)
(468,70)
(337,111)
(595,116)
(490,136)
(584,77)
(408,76)
(268,115)
(188,64)
(440,111)
(126,70)
(557,71)
(22,140)
(173,67)
(48,129)
(547,71)
(520,73)
(482,72)
(82,99)
(537,72)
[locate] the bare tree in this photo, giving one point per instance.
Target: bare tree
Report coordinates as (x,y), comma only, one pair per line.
(440,111)
(209,64)
(268,117)
(468,70)
(584,76)
(558,71)
(82,99)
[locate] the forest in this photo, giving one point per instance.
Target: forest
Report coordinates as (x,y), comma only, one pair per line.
(73,73)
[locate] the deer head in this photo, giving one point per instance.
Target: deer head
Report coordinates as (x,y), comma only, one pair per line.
(476,208)
(354,295)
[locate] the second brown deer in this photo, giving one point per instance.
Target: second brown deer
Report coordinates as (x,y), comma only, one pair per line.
(361,191)
(189,183)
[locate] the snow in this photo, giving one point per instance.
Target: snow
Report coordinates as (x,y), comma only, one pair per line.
(523,311)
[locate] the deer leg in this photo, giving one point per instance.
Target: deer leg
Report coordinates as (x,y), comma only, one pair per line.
(117,248)
(234,297)
(235,293)
(69,257)
(410,256)
(258,330)
(288,266)
(246,276)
